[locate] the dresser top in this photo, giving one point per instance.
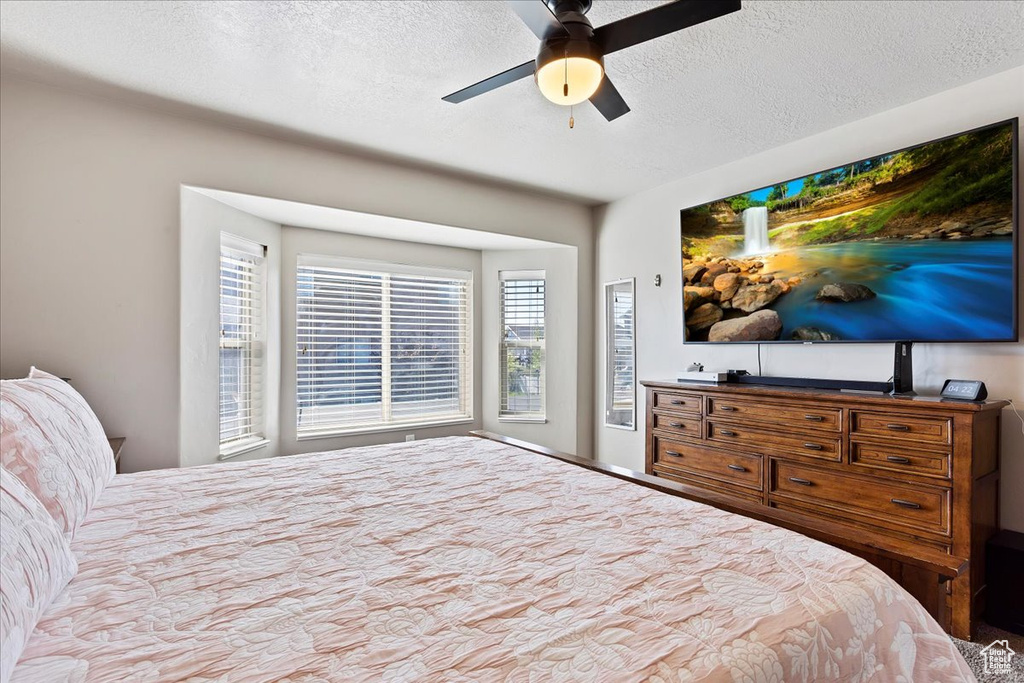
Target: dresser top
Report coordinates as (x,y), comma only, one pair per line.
(858,397)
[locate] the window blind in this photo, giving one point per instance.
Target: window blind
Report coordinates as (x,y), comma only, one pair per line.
(380,345)
(522,353)
(241,342)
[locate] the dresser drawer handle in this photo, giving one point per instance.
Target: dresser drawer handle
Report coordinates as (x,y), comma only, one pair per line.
(906,503)
(727,408)
(898,458)
(802,482)
(738,468)
(814,446)
(814,418)
(675,453)
(726,432)
(898,428)
(678,403)
(677,425)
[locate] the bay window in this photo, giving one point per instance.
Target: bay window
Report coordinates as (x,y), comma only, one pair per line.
(380,345)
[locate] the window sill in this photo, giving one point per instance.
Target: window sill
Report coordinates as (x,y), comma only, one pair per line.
(527,420)
(382,429)
(242,448)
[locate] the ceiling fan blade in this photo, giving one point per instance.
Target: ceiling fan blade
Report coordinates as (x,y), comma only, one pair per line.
(504,78)
(536,15)
(608,100)
(660,21)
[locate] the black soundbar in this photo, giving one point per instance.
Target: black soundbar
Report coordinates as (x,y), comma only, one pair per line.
(902,375)
(812,383)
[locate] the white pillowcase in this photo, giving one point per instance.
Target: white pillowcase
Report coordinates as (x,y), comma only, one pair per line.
(51,439)
(35,562)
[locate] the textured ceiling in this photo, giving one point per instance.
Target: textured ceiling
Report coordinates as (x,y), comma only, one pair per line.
(371,75)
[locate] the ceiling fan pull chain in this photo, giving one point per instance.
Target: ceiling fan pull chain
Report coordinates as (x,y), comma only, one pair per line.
(571,122)
(565,86)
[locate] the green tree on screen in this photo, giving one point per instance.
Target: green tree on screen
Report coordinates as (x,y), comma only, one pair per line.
(778,192)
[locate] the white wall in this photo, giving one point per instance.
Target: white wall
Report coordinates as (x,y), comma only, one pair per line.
(639,236)
(89,239)
(567,416)
(202,221)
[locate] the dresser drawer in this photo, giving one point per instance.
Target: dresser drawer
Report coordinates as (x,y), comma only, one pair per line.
(818,447)
(731,490)
(793,417)
(739,469)
(679,425)
(890,505)
(936,430)
(677,402)
(894,458)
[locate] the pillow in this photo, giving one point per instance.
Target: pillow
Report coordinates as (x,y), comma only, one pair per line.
(35,563)
(51,439)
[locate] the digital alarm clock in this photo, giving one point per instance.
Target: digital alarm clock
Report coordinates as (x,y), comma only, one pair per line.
(964,390)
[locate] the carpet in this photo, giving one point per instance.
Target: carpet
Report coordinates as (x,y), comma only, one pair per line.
(986,635)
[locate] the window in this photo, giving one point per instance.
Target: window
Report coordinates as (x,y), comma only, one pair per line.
(380,345)
(620,356)
(522,345)
(241,343)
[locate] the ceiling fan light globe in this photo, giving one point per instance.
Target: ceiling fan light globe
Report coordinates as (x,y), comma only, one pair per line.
(582,74)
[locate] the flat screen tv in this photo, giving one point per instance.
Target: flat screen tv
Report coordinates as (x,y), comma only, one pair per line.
(915,245)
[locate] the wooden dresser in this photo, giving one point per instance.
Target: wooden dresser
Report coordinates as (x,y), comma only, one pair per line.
(906,483)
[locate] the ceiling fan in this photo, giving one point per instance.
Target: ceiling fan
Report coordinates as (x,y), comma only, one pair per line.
(569,67)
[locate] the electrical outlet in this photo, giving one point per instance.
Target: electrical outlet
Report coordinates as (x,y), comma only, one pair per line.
(410,437)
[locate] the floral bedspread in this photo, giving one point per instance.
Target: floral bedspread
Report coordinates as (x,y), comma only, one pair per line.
(460,559)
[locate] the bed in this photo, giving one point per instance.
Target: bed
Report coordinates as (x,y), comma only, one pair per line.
(459,559)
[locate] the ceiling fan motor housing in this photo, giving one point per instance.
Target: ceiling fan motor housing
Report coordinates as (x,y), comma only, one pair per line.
(561,6)
(580,40)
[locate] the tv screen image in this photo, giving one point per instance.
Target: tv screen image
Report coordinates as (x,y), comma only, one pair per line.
(914,245)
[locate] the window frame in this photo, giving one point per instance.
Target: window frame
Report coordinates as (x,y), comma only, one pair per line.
(388,270)
(505,415)
(256,437)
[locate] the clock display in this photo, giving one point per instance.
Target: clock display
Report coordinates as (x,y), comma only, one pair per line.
(964,389)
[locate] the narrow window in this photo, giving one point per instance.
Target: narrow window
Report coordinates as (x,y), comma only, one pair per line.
(522,356)
(380,345)
(620,354)
(242,277)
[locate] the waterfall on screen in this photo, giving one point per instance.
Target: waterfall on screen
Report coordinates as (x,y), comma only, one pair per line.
(755,230)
